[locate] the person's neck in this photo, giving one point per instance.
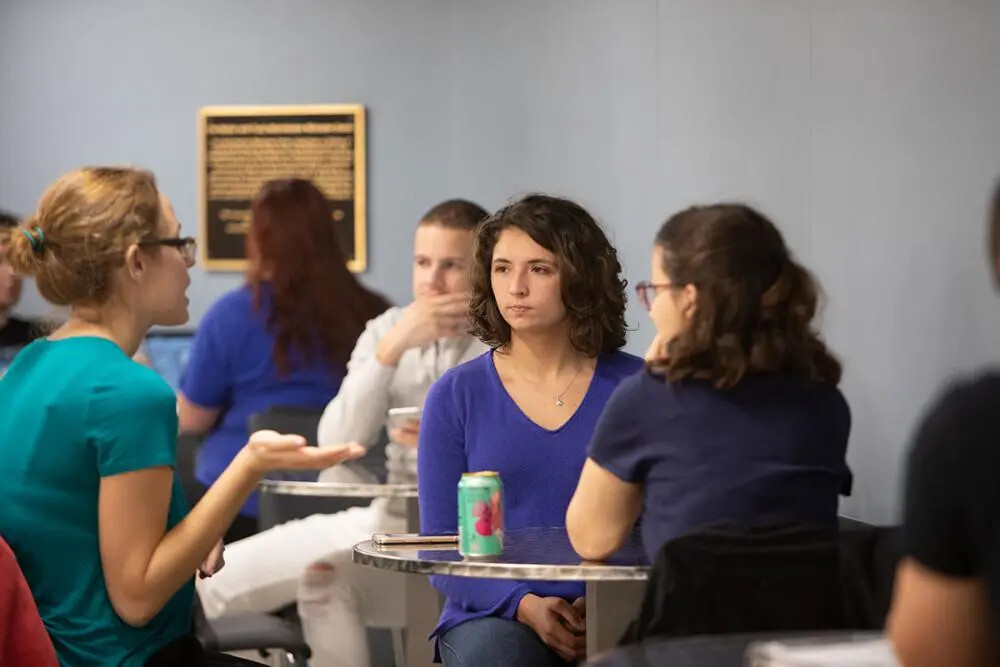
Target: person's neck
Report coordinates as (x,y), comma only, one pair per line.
(115,324)
(5,314)
(543,354)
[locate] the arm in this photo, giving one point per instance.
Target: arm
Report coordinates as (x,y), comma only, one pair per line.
(940,620)
(194,419)
(940,610)
(440,465)
(205,385)
(608,497)
(358,411)
(602,512)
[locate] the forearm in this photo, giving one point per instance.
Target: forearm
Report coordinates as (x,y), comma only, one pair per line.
(359,410)
(184,547)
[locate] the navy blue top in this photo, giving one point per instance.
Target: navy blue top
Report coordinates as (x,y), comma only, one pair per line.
(470,423)
(770,449)
(231,367)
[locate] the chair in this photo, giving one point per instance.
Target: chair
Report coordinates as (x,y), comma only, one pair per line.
(23,639)
(282,629)
(747,579)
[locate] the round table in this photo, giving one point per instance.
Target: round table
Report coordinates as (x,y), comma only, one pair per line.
(338,489)
(614,588)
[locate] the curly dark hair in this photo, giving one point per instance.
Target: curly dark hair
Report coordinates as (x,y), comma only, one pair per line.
(755,304)
(593,290)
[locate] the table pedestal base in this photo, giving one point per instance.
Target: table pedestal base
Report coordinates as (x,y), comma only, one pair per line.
(611,606)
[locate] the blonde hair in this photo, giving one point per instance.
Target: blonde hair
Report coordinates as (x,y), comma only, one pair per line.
(85,222)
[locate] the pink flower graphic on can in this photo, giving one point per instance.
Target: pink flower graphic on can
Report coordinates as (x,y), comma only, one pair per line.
(489,518)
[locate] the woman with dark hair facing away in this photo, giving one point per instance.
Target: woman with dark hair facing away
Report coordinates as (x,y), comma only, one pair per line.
(548,298)
(90,503)
(946,601)
(284,338)
(737,416)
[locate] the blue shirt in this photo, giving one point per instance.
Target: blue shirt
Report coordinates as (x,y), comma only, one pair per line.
(471,423)
(770,449)
(74,411)
(231,368)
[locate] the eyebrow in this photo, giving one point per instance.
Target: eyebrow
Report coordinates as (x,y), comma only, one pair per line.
(450,258)
(503,260)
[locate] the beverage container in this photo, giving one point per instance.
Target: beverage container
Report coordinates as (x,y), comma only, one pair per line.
(480,515)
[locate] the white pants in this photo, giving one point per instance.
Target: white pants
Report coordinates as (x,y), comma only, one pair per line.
(310,560)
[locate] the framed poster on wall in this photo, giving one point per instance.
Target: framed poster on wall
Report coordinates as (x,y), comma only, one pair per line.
(242,147)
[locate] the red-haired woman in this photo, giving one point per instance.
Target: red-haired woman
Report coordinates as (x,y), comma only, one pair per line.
(283,338)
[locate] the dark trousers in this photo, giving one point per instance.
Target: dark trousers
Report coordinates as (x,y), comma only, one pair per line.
(188,652)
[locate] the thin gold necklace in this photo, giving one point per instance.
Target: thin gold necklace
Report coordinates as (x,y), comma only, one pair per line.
(559,396)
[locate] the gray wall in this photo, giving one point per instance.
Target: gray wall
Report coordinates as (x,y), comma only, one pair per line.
(869,130)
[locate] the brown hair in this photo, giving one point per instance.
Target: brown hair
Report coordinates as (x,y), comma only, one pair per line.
(755,304)
(455,214)
(593,290)
(84,223)
(317,305)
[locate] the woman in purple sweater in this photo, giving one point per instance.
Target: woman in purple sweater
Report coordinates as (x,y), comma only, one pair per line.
(548,298)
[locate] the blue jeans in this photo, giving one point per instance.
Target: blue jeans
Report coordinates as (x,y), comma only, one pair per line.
(495,642)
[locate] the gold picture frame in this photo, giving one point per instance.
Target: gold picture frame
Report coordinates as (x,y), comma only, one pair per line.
(238,130)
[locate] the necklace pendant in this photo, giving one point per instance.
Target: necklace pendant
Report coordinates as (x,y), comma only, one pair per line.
(559,402)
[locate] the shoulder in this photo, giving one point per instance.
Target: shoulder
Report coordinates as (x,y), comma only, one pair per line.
(124,389)
(233,303)
(619,365)
(140,383)
(464,380)
(964,416)
(470,374)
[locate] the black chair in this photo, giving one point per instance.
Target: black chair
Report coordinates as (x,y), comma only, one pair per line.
(747,579)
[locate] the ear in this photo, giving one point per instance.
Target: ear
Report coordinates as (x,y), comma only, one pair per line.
(689,300)
(136,263)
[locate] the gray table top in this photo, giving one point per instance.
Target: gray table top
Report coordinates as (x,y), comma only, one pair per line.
(339,489)
(531,554)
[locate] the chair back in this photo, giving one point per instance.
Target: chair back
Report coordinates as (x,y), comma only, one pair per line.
(23,638)
(745,579)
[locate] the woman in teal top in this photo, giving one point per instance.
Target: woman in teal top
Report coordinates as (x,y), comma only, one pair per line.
(89,502)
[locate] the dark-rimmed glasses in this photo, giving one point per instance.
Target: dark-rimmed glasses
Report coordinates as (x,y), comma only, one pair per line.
(647,291)
(187,245)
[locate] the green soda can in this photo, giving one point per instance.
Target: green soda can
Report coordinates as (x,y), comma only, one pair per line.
(480,515)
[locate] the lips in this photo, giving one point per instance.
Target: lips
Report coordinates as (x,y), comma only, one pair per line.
(518,309)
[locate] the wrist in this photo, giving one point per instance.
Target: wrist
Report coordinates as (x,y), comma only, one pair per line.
(246,467)
(524,606)
(388,351)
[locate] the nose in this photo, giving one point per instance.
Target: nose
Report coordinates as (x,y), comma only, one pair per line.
(437,278)
(518,283)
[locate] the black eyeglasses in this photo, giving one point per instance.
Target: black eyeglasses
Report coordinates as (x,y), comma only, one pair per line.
(647,291)
(187,245)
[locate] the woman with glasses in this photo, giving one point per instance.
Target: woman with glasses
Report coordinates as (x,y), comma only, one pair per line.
(737,416)
(90,503)
(282,339)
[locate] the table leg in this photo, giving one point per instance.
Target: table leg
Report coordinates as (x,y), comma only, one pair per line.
(423,605)
(611,606)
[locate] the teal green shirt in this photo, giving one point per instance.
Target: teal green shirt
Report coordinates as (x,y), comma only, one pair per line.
(73,411)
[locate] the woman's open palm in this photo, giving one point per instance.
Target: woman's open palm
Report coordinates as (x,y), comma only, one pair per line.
(270,450)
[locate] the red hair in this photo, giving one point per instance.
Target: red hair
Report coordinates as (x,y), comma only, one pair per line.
(318,307)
